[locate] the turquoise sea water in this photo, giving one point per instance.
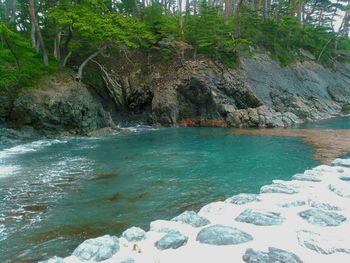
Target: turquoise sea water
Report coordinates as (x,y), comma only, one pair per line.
(56,193)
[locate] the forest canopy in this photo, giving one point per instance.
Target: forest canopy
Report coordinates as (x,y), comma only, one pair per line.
(39,37)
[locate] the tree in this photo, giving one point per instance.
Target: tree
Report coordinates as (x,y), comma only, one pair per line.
(35,24)
(97,32)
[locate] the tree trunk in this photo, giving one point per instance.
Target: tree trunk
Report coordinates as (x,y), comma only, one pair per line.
(11,10)
(266,8)
(38,32)
(238,19)
(188,8)
(179,3)
(32,36)
(258,7)
(57,45)
(82,65)
(228,10)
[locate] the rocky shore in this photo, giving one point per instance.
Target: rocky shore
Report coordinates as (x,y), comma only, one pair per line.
(259,93)
(306,219)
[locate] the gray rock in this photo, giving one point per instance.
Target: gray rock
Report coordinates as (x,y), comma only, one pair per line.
(134,234)
(294,203)
(191,218)
(322,218)
(278,188)
(128,260)
(241,199)
(260,218)
(341,190)
(341,162)
(306,177)
(323,243)
(97,249)
(273,255)
(323,205)
(172,240)
(345,178)
(61,107)
(222,235)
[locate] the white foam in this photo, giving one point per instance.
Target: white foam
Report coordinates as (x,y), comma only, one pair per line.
(28,147)
(6,170)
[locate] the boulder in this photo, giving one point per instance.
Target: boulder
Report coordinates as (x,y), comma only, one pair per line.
(341,162)
(340,189)
(97,249)
(172,240)
(322,218)
(241,199)
(278,188)
(273,255)
(134,234)
(191,218)
(164,226)
(220,235)
(293,203)
(323,205)
(323,243)
(260,218)
(60,107)
(306,177)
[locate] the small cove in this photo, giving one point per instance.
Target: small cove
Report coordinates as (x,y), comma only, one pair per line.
(56,193)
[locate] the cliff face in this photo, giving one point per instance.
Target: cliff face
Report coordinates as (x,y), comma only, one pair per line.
(261,93)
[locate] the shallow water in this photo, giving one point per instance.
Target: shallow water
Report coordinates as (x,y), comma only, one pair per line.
(56,193)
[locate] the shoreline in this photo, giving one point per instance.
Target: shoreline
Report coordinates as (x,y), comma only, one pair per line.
(305,219)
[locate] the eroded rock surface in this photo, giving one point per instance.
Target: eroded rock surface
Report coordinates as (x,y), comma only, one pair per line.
(260,218)
(241,199)
(222,235)
(172,240)
(322,218)
(273,255)
(191,218)
(97,249)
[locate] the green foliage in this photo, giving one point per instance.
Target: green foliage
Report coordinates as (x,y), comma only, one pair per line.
(209,35)
(20,65)
(160,24)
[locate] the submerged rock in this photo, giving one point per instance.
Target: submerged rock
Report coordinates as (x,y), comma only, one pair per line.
(273,255)
(191,218)
(134,234)
(323,243)
(278,188)
(241,199)
(260,218)
(322,218)
(97,249)
(306,177)
(222,235)
(172,240)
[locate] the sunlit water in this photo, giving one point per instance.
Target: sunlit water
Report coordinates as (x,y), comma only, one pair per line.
(56,193)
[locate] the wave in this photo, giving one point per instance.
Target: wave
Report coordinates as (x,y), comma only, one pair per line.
(138,128)
(28,147)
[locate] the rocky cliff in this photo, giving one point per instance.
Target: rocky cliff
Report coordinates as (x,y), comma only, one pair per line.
(200,92)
